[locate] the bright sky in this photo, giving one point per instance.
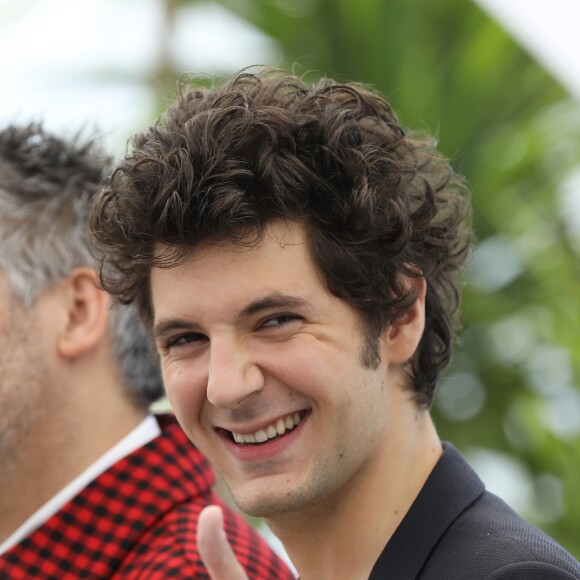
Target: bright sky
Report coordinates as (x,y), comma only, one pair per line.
(548,29)
(75,62)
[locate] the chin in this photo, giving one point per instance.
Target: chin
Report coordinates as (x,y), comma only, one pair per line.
(272,500)
(260,506)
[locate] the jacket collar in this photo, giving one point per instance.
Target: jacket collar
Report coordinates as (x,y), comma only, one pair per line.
(449,490)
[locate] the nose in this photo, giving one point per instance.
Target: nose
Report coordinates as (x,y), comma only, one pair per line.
(232,374)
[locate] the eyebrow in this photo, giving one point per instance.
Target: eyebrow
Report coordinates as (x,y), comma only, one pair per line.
(268,302)
(170,324)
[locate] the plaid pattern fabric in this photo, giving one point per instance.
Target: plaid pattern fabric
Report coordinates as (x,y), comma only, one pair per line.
(138,520)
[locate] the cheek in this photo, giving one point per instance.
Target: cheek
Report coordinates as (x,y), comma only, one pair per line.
(295,365)
(310,372)
(186,391)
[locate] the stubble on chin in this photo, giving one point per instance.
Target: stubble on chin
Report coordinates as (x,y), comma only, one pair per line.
(272,499)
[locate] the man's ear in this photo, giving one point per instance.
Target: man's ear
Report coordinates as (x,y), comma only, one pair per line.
(87,314)
(401,338)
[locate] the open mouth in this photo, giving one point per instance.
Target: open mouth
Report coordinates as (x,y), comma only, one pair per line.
(273,431)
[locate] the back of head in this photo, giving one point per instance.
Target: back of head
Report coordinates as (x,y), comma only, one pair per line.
(47,184)
(378,203)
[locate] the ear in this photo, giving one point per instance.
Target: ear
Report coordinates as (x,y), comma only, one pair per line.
(87,314)
(401,339)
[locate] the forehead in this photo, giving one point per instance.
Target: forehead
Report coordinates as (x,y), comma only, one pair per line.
(225,272)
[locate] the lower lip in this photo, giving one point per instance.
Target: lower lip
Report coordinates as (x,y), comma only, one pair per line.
(267,451)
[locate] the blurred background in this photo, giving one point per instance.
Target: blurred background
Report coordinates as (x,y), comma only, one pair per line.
(497,82)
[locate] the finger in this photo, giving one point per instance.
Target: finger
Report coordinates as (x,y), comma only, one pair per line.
(214,548)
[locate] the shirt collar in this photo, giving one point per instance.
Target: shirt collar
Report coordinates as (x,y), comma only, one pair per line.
(145,432)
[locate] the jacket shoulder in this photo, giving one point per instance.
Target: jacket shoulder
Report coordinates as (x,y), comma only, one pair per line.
(532,571)
(491,541)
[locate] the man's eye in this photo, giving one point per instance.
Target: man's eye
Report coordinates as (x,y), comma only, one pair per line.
(279,320)
(184,339)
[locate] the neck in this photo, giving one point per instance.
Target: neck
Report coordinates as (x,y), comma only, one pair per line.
(348,531)
(72,432)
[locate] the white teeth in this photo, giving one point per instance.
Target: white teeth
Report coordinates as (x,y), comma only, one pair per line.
(269,432)
(280,427)
(261,436)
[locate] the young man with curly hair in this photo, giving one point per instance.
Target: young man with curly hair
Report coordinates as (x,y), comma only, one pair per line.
(297,255)
(92,485)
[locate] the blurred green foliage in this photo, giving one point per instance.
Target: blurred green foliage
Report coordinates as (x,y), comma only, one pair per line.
(507,125)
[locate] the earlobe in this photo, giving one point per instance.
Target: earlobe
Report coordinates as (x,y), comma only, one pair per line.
(87,314)
(403,335)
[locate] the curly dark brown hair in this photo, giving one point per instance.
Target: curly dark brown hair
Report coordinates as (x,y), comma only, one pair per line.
(378,203)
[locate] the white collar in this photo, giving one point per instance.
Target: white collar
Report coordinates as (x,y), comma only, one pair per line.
(145,432)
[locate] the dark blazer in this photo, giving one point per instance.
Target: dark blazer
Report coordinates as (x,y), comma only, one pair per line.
(456,530)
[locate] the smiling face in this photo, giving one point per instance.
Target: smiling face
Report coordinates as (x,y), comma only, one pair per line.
(262,366)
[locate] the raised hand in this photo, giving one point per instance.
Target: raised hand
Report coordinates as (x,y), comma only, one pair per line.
(214,548)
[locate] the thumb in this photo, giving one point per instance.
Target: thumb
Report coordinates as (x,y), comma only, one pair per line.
(214,548)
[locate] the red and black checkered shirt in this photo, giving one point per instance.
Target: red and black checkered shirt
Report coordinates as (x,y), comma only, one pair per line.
(138,520)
